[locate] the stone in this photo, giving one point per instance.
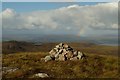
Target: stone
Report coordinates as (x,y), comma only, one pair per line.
(61,48)
(80,54)
(52,52)
(60,51)
(75,53)
(56,55)
(61,44)
(42,59)
(57,46)
(63,52)
(74,59)
(61,57)
(56,49)
(8,69)
(69,55)
(47,58)
(41,75)
(69,49)
(65,46)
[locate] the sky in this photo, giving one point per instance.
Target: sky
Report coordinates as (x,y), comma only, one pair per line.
(59,0)
(33,6)
(72,18)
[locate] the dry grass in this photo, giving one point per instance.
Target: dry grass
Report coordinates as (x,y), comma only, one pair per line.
(29,63)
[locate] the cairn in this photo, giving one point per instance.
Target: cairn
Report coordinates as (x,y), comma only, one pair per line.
(63,52)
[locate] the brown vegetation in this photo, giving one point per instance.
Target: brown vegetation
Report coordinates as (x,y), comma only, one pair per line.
(14,46)
(29,63)
(99,63)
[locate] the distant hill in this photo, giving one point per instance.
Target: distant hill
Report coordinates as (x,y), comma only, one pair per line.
(87,47)
(101,39)
(15,46)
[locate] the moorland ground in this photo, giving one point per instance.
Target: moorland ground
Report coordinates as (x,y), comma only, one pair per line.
(101,61)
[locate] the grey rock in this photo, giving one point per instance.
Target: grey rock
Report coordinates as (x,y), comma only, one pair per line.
(80,54)
(41,75)
(8,69)
(52,53)
(60,51)
(56,49)
(75,53)
(74,59)
(70,49)
(47,58)
(61,44)
(65,46)
(57,46)
(61,57)
(42,59)
(63,52)
(56,55)
(69,55)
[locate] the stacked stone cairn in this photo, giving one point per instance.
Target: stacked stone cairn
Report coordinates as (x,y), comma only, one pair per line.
(63,52)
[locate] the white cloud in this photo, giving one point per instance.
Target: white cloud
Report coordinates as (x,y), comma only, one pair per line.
(61,0)
(75,17)
(73,6)
(8,13)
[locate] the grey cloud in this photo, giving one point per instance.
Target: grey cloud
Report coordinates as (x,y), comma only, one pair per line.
(75,17)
